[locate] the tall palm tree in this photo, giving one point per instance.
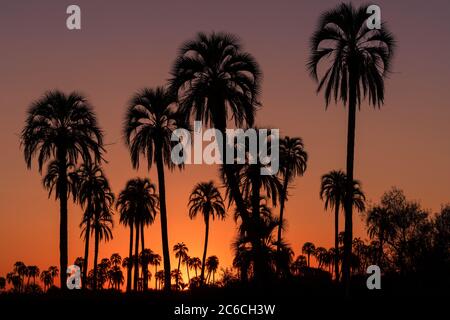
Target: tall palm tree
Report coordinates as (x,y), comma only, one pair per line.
(308,248)
(293,160)
(64,128)
(149,123)
(332,191)
(92,186)
(206,199)
(216,81)
(155,260)
(357,61)
(181,252)
(101,224)
(138,205)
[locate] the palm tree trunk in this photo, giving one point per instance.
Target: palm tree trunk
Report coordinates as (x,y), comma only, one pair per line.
(136,258)
(282,201)
(205,248)
(348,235)
(163,213)
(63,243)
(96,241)
(179,263)
(259,267)
(86,244)
(130,259)
(336,240)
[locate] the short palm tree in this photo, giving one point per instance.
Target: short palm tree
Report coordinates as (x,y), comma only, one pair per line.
(33,272)
(64,128)
(149,123)
(195,263)
(138,205)
(145,258)
(155,260)
(2,283)
(212,264)
(206,199)
(181,252)
(293,160)
(92,186)
(308,248)
(116,259)
(332,191)
(357,61)
(101,224)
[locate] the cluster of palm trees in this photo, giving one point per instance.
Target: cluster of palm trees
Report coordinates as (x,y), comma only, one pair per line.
(23,278)
(215,81)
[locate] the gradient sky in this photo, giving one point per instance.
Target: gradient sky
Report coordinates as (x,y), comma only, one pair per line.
(123,47)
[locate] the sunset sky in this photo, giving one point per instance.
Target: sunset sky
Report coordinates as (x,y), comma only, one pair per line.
(126,46)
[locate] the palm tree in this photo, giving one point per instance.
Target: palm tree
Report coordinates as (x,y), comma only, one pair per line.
(46,279)
(92,187)
(63,128)
(149,124)
(332,191)
(216,81)
(145,258)
(116,260)
(206,199)
(195,263)
(21,270)
(181,251)
(137,204)
(299,264)
(176,275)
(116,276)
(212,264)
(33,272)
(100,224)
(359,59)
(293,159)
(308,248)
(380,227)
(155,260)
(187,262)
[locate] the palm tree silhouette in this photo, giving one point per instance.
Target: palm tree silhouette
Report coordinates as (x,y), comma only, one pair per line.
(155,260)
(2,283)
(216,81)
(308,248)
(359,60)
(212,264)
(100,223)
(33,272)
(181,251)
(63,128)
(206,199)
(293,160)
(379,226)
(92,187)
(195,263)
(21,270)
(116,260)
(332,191)
(149,124)
(137,204)
(159,277)
(187,262)
(176,275)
